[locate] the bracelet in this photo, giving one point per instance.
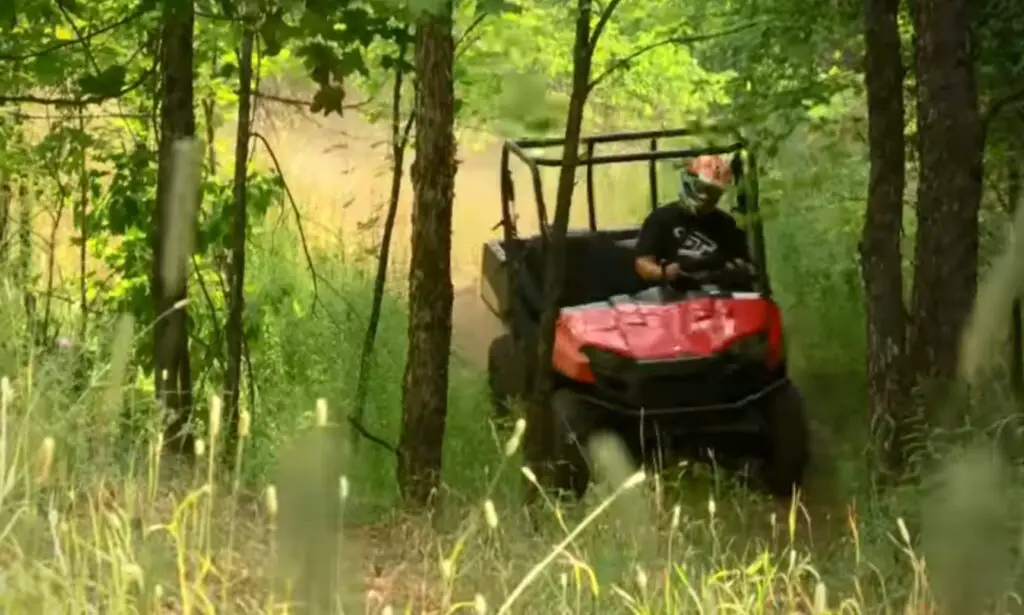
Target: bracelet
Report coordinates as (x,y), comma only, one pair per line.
(664,272)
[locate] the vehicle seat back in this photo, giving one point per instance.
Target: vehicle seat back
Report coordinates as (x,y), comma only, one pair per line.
(597,267)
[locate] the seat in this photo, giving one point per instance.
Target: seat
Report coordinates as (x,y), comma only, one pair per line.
(597,267)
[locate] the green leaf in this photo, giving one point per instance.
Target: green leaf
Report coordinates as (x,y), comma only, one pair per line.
(497,7)
(71,6)
(351,62)
(274,32)
(63,33)
(105,84)
(328,99)
(48,67)
(227,71)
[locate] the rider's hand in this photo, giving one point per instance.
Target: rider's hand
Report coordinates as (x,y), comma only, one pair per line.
(738,263)
(671,271)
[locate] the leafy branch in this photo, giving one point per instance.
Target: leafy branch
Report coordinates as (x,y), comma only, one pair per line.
(999,105)
(92,99)
(82,39)
(298,217)
(602,23)
(625,61)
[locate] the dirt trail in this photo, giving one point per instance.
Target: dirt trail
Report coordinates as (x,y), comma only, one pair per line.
(338,170)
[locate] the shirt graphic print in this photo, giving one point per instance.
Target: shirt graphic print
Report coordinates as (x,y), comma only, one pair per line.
(693,243)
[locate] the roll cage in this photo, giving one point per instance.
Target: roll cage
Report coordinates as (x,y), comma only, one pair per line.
(744,167)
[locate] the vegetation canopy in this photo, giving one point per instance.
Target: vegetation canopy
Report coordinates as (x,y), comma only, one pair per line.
(252,255)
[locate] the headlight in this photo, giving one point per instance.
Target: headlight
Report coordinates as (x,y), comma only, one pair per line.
(606,361)
(751,347)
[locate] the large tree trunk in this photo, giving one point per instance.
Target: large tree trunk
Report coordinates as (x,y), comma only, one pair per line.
(425,390)
(538,444)
(177,120)
(881,258)
(949,191)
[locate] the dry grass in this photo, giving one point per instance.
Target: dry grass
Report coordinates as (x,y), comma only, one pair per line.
(141,542)
(86,527)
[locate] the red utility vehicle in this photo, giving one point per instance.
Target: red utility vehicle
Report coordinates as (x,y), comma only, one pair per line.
(673,371)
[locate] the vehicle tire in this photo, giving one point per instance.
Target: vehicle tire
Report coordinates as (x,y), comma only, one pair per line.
(788,441)
(573,424)
(505,376)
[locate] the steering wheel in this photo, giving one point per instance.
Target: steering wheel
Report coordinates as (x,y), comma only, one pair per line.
(711,273)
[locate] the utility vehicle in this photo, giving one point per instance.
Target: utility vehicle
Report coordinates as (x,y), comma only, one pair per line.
(671,371)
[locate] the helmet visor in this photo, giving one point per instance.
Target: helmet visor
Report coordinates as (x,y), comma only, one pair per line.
(701,195)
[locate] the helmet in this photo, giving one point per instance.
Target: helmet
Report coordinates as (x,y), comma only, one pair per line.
(704,180)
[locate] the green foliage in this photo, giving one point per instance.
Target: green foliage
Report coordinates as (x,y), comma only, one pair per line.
(786,72)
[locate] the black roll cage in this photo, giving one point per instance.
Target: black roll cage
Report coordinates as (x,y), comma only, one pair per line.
(745,172)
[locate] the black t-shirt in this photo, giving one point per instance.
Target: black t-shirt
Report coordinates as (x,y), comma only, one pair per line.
(671,231)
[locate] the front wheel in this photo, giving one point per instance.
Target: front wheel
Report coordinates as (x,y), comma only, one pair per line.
(505,374)
(787,438)
(573,425)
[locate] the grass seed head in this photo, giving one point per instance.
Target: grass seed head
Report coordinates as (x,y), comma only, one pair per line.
(820,598)
(490,514)
(133,573)
(6,392)
(216,410)
(44,459)
(321,412)
(270,501)
(641,579)
(904,532)
(244,423)
(528,473)
(512,444)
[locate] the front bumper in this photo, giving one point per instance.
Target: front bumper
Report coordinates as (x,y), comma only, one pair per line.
(723,393)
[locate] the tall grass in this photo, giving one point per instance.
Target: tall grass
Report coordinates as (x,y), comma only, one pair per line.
(93,518)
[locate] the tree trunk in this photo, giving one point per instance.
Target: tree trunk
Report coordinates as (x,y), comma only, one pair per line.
(881,258)
(177,120)
(83,216)
(950,149)
(6,197)
(538,443)
(1013,185)
(236,300)
(425,388)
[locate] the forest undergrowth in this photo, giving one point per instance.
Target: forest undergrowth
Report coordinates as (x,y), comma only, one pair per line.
(97,518)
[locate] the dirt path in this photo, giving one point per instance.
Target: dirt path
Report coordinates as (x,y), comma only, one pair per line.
(474,326)
(339,172)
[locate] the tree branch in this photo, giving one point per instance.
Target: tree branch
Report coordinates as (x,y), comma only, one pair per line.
(602,23)
(17,115)
(463,43)
(298,217)
(298,102)
(85,100)
(672,40)
(998,106)
(139,12)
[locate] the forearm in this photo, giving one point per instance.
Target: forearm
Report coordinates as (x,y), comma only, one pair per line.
(648,268)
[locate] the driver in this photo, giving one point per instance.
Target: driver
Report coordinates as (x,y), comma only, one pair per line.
(693,228)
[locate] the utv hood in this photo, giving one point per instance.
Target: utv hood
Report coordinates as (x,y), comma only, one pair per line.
(695,327)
